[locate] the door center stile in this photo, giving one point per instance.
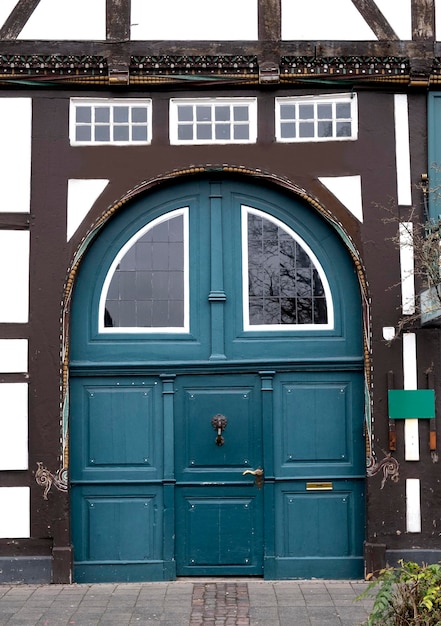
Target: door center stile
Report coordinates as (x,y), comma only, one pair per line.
(217,296)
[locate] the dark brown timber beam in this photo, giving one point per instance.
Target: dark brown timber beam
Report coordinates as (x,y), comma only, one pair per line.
(423,19)
(18,18)
(375,19)
(118,20)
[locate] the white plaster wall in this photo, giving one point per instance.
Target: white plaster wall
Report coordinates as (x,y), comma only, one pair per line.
(13,356)
(438,20)
(402,149)
(15,154)
(194,19)
(399,16)
(81,195)
(67,19)
(14,276)
(6,7)
(15,517)
(413,505)
(13,426)
(322,19)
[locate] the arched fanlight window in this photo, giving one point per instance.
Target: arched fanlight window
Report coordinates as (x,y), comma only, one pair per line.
(284,285)
(146,287)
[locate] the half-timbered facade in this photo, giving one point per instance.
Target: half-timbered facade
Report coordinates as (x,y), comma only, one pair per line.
(206,261)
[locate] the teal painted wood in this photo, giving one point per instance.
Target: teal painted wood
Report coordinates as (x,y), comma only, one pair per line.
(434,158)
(143,445)
(299,346)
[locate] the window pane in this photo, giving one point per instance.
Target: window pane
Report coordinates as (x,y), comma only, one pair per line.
(139,115)
(83,114)
(139,133)
(221,113)
(343,129)
(222,131)
(185,133)
(306,111)
(240,114)
(306,129)
(203,114)
(283,285)
(121,114)
(287,112)
(324,129)
(83,133)
(203,131)
(102,114)
(121,133)
(185,113)
(288,130)
(102,133)
(241,131)
(343,110)
(324,111)
(147,288)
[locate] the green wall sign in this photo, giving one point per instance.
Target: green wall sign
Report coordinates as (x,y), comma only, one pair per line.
(411,404)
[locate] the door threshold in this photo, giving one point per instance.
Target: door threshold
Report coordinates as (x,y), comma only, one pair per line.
(211,579)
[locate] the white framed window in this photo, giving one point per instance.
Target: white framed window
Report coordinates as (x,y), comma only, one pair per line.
(331,117)
(120,121)
(284,286)
(146,289)
(213,121)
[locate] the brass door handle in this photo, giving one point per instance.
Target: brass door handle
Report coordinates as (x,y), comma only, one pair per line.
(258,474)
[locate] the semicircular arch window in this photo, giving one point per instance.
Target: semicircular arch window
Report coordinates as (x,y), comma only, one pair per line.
(284,284)
(146,287)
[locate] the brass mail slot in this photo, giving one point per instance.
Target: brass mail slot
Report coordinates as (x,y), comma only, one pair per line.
(319,487)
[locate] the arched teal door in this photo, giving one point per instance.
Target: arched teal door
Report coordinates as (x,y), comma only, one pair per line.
(216,391)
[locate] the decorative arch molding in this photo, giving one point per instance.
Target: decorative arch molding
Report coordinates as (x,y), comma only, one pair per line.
(43,476)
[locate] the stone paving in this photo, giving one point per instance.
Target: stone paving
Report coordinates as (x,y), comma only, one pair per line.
(196,602)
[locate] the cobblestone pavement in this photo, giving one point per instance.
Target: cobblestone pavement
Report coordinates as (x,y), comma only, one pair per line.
(196,602)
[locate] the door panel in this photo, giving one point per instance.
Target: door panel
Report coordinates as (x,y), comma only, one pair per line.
(116,532)
(219,511)
(219,530)
(320,529)
(320,424)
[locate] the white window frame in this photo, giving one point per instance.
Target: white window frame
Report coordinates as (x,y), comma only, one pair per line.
(113,103)
(126,247)
(251,104)
(333,99)
(246,210)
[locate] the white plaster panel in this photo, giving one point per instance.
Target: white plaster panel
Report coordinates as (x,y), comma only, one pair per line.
(347,189)
(411,426)
(6,7)
(438,20)
(81,195)
(15,154)
(322,19)
(194,19)
(407,268)
(13,426)
(402,150)
(15,512)
(67,19)
(399,16)
(413,505)
(14,276)
(13,356)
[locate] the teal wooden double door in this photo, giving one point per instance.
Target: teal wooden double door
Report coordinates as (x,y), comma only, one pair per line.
(216,391)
